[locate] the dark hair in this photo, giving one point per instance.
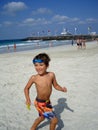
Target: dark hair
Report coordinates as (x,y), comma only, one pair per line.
(44,57)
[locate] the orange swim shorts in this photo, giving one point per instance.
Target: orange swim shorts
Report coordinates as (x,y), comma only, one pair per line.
(44,108)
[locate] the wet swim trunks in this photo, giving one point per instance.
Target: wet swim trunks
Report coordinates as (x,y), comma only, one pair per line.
(44,108)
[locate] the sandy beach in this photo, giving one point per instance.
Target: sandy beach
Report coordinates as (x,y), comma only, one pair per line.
(77,69)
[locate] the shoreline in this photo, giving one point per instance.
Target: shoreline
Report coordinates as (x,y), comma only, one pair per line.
(32,46)
(47,47)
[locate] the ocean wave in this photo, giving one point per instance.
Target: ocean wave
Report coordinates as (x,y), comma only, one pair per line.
(8,47)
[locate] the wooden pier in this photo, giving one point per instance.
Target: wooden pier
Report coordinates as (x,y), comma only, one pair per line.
(61,37)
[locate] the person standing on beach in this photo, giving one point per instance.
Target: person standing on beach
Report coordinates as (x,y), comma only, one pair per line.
(8,47)
(83,43)
(72,42)
(14,47)
(43,81)
(79,43)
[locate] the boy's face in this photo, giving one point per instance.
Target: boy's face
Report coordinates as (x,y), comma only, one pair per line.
(40,68)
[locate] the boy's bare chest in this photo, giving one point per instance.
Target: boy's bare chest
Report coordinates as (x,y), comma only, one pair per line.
(44,81)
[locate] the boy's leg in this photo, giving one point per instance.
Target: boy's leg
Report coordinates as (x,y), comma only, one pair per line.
(37,122)
(53,123)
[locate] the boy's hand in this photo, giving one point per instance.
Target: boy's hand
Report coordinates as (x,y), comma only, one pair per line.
(28,104)
(28,107)
(64,89)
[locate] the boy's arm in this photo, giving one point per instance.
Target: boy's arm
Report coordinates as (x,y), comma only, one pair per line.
(57,86)
(26,90)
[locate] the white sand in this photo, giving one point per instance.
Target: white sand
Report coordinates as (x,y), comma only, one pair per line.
(76,69)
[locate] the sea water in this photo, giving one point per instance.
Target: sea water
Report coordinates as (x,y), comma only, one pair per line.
(7,46)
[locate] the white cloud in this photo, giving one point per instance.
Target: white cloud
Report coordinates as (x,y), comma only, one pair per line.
(29,21)
(75,19)
(59,18)
(7,23)
(91,20)
(42,11)
(81,22)
(13,7)
(32,22)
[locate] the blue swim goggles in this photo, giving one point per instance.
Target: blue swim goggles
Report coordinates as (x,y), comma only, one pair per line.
(37,61)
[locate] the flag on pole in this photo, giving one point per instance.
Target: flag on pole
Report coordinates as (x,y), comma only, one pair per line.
(89,28)
(75,29)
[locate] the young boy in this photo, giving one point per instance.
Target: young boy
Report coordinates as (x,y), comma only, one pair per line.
(43,81)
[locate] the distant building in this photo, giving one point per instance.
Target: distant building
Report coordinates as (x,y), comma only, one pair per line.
(65,32)
(93,33)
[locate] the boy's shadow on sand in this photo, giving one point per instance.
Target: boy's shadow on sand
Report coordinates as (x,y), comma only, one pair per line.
(59,108)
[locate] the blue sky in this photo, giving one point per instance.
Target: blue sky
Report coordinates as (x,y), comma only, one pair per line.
(23,18)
